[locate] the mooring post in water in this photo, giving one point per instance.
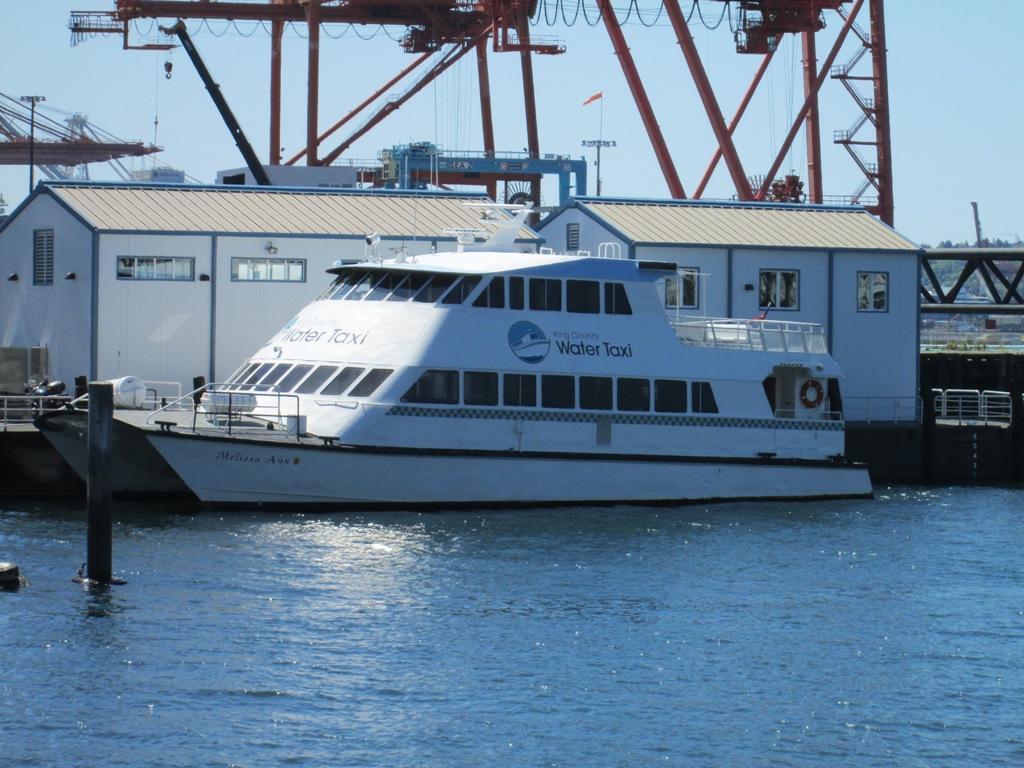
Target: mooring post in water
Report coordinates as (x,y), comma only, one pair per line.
(99,553)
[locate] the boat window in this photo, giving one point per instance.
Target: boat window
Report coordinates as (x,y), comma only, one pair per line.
(275,375)
(315,379)
(342,381)
(493,295)
(634,395)
(295,375)
(435,288)
(516,293)
(519,389)
(583,296)
(410,287)
(557,391)
(242,373)
(258,374)
(369,383)
(462,289)
(434,387)
(545,294)
(669,396)
(346,281)
(480,388)
(703,397)
(385,286)
(363,286)
(615,300)
(596,393)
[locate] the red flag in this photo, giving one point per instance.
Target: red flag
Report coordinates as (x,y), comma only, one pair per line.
(595,97)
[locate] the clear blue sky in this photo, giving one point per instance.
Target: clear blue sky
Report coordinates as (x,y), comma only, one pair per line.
(954,77)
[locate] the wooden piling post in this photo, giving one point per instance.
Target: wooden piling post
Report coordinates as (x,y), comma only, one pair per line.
(99,553)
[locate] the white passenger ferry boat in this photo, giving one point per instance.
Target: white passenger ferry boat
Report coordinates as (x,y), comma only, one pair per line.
(487,377)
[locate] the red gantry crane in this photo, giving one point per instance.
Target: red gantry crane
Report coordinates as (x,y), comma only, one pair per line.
(454,28)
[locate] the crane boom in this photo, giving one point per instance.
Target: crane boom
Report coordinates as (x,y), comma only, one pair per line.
(251,160)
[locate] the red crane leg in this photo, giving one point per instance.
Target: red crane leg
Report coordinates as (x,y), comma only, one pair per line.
(453,55)
(886,208)
(829,60)
(276,36)
(812,124)
(486,116)
(735,122)
(636,86)
(707,96)
(313,81)
(376,95)
(529,100)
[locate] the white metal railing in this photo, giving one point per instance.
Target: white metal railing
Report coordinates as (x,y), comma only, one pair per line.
(24,409)
(230,410)
(883,410)
(761,335)
(969,406)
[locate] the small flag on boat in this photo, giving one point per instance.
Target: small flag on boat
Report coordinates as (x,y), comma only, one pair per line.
(593,98)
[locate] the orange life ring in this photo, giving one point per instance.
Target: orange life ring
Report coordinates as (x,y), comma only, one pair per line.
(811,394)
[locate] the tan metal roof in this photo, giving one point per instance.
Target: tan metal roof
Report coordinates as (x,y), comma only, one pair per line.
(247,210)
(751,225)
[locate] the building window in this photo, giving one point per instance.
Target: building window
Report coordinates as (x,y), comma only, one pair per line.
(681,290)
(42,257)
(155,268)
(270,270)
(872,291)
(780,289)
(572,237)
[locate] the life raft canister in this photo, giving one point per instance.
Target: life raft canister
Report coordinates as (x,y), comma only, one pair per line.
(811,394)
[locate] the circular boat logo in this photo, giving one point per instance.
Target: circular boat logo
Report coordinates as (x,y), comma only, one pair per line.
(528,342)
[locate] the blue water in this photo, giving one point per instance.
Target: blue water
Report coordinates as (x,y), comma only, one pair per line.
(861,633)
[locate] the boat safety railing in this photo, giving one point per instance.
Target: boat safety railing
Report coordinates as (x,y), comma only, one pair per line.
(882,410)
(24,409)
(214,405)
(760,335)
(825,413)
(969,406)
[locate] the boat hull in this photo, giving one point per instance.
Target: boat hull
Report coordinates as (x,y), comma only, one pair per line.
(234,472)
(137,470)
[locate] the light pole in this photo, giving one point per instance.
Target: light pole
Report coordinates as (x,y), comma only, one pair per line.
(598,143)
(33,100)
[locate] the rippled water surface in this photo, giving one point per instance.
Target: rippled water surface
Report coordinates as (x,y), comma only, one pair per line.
(862,633)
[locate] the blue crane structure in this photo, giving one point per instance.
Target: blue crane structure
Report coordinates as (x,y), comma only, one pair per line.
(416,165)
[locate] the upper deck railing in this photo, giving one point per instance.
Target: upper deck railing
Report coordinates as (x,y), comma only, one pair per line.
(759,335)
